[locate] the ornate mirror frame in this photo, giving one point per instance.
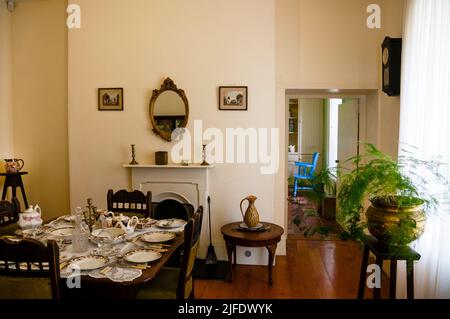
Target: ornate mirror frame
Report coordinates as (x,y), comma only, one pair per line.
(168,85)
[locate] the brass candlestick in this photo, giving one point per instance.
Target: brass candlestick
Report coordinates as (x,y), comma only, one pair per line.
(133,156)
(90,215)
(204,163)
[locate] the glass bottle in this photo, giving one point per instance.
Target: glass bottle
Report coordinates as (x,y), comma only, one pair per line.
(80,236)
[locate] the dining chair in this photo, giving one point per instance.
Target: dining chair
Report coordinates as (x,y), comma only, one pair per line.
(9,215)
(305,172)
(130,203)
(29,269)
(178,283)
(170,208)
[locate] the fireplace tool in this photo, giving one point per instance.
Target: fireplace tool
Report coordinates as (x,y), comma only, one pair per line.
(211,257)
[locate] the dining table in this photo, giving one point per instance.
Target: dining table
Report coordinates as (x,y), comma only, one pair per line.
(117,278)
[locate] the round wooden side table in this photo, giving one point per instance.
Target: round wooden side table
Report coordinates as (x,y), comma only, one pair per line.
(268,238)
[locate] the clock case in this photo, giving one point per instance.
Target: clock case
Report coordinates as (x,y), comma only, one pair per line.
(391,69)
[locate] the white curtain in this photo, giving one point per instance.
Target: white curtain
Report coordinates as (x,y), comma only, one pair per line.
(425,123)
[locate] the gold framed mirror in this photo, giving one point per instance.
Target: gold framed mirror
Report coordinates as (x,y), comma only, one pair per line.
(169,109)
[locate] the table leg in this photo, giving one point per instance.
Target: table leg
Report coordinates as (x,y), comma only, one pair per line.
(362,274)
(235,257)
(5,189)
(271,249)
(410,279)
(230,249)
(377,290)
(393,279)
(24,195)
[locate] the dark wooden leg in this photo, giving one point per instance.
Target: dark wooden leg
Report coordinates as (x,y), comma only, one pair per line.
(377,291)
(5,189)
(271,249)
(410,279)
(393,279)
(362,275)
(230,249)
(235,257)
(23,194)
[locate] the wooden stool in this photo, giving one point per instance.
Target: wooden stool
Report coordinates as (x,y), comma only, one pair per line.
(267,238)
(14,180)
(393,254)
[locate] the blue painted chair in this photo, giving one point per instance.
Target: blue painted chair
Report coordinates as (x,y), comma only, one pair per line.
(305,172)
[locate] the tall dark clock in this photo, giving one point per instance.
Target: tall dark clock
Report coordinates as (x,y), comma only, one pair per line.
(391,65)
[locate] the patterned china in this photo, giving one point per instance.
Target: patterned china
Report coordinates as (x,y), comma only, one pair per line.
(157,237)
(107,233)
(30,218)
(64,233)
(89,262)
(140,256)
(171,223)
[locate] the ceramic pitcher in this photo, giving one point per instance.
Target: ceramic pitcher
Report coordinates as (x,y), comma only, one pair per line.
(251,216)
(13,165)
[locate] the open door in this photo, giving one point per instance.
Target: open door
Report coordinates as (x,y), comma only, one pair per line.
(348,130)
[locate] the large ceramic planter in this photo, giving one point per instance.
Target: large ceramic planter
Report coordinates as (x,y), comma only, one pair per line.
(393,225)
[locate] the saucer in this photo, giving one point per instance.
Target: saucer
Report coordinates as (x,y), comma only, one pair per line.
(256,228)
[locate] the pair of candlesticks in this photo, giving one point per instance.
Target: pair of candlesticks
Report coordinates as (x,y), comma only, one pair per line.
(134,162)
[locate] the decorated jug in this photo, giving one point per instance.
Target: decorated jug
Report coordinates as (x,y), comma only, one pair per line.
(251,216)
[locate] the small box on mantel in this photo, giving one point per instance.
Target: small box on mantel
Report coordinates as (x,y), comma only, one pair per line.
(161,158)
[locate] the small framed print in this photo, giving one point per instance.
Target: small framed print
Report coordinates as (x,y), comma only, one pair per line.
(110,99)
(233,98)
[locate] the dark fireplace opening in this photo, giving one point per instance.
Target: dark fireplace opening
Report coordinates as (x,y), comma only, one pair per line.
(170,208)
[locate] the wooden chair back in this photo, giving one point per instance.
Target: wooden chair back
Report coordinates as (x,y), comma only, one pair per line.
(9,212)
(27,260)
(191,242)
(130,203)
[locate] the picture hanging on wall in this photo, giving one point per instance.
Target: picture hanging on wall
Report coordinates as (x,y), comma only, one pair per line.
(110,99)
(233,98)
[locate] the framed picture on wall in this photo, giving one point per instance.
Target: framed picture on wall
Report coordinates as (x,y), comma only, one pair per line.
(110,99)
(233,98)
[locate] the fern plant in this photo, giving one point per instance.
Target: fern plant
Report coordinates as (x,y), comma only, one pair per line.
(375,176)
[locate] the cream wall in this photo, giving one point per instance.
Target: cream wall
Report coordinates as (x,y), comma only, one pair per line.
(39,93)
(6,149)
(201,45)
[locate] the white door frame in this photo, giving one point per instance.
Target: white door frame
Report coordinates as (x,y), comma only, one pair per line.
(318,95)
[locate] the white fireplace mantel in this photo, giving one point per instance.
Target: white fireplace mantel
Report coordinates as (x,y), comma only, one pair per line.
(190,166)
(183,183)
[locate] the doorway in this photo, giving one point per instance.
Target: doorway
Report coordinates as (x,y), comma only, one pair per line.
(331,126)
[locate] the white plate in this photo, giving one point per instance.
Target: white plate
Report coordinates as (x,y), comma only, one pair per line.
(140,256)
(171,223)
(62,232)
(158,237)
(89,262)
(69,218)
(30,232)
(108,232)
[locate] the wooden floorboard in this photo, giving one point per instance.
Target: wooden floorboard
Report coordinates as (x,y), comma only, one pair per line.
(310,270)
